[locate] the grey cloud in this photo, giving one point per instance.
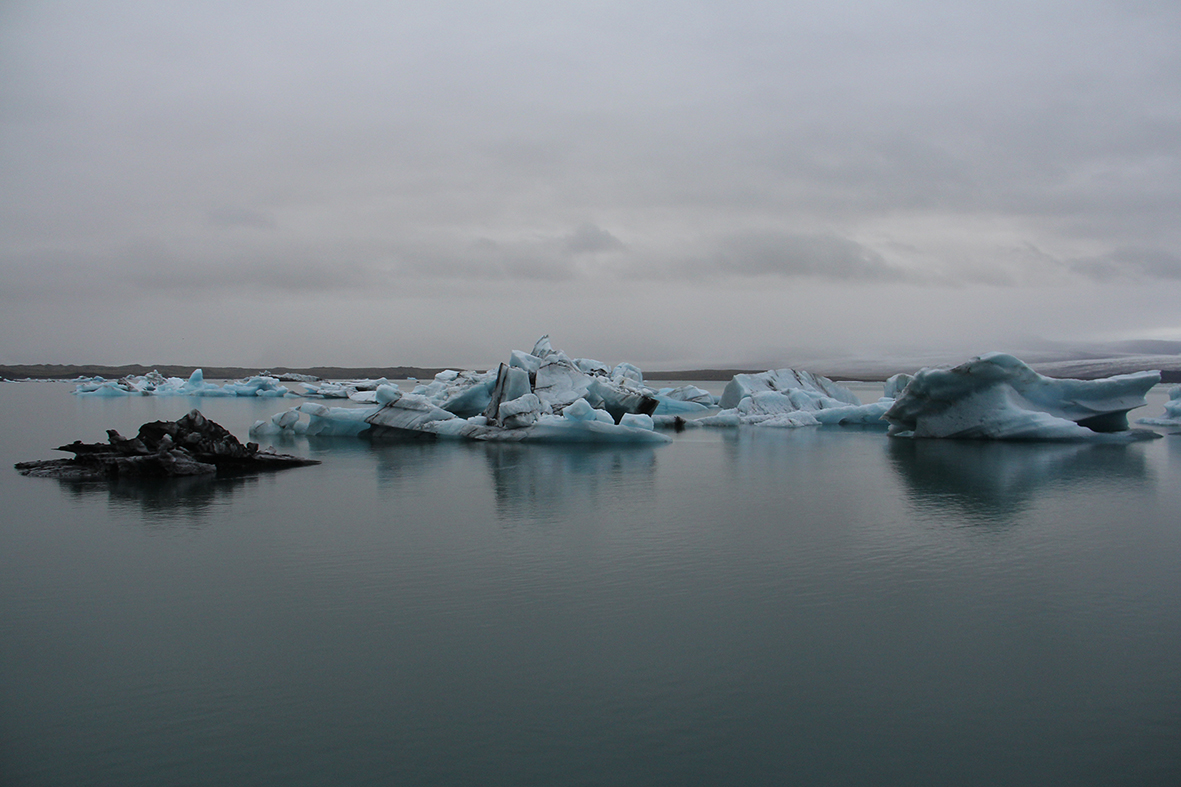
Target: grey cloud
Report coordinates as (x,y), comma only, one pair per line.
(364,149)
(231,216)
(589,239)
(1130,263)
(785,255)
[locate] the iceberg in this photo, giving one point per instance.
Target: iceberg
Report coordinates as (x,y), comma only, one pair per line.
(1172,414)
(820,390)
(579,423)
(998,397)
(542,396)
(545,395)
(155,384)
(787,398)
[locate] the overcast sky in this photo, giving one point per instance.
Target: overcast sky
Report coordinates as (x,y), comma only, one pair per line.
(671,183)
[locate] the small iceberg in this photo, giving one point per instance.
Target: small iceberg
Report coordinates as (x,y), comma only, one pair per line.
(998,397)
(1172,414)
(155,384)
(787,398)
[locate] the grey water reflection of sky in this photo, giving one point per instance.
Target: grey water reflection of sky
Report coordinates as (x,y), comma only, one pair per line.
(675,184)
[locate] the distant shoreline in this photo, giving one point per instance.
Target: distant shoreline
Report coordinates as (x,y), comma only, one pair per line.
(72,371)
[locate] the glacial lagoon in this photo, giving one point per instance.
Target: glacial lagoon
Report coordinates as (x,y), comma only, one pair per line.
(820,605)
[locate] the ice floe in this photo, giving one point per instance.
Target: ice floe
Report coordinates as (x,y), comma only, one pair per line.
(997,396)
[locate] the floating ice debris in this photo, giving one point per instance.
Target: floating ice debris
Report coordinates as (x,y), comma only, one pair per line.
(787,398)
(802,386)
(322,420)
(996,396)
(292,377)
(155,384)
(355,390)
(192,445)
(544,394)
(1172,414)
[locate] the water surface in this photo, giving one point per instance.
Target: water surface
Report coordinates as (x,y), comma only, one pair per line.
(814,606)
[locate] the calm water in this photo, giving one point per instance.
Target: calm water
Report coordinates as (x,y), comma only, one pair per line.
(812,606)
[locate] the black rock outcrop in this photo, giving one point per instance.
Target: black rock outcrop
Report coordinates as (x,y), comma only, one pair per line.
(190,446)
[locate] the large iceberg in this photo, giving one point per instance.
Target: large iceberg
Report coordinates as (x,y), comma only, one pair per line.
(541,396)
(998,397)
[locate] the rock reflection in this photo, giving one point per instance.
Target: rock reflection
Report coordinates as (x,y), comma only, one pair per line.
(162,502)
(987,481)
(548,481)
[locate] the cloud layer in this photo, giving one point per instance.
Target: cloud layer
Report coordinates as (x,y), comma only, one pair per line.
(322,155)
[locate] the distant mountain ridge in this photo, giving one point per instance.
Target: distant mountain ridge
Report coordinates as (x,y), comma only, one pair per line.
(46,371)
(1084,363)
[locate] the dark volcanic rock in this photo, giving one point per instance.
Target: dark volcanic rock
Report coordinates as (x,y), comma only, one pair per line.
(192,445)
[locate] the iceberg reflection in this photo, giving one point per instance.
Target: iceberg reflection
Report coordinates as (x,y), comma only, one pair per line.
(992,481)
(548,481)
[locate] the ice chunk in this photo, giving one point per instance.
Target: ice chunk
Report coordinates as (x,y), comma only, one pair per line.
(332,421)
(689,393)
(865,414)
(896,385)
(732,417)
(814,386)
(580,423)
(669,406)
(261,385)
(409,413)
(591,366)
(581,410)
(996,396)
(327,390)
(559,429)
(280,423)
(520,360)
(461,393)
(542,348)
(519,412)
(511,383)
(1172,414)
(387,393)
(559,383)
(620,396)
(638,421)
(629,372)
